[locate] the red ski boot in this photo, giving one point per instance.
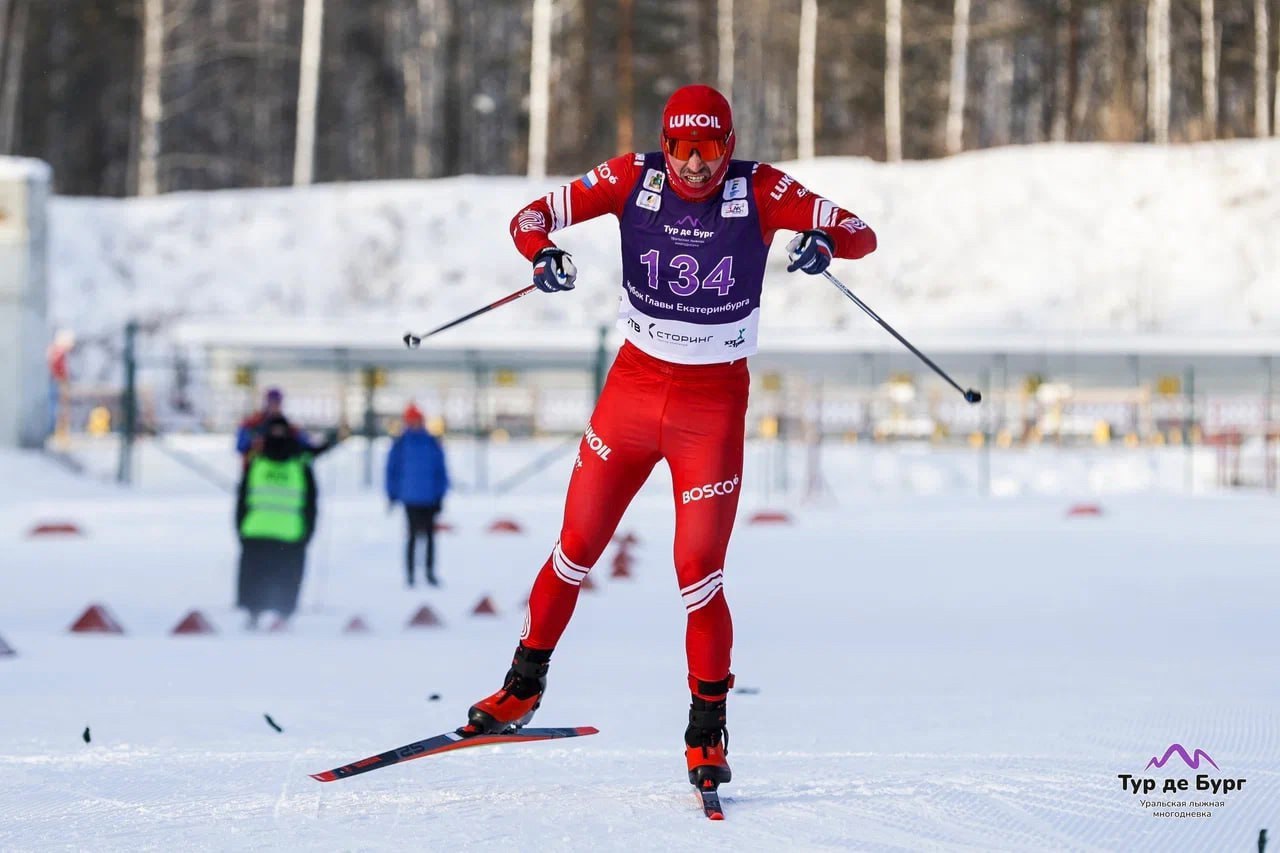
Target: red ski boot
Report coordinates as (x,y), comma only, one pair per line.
(706,739)
(512,707)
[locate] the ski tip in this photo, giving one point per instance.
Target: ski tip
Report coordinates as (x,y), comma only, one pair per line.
(715,815)
(326,776)
(587,730)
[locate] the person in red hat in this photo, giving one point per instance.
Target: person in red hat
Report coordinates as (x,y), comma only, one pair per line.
(696,227)
(418,478)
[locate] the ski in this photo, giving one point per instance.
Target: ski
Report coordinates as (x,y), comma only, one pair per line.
(445,743)
(711,803)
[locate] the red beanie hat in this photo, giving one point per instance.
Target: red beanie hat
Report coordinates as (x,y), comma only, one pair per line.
(698,112)
(412,415)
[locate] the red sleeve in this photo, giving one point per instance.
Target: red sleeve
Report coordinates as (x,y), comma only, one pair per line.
(604,189)
(784,203)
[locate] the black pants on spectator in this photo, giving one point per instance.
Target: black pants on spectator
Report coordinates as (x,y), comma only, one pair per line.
(270,576)
(422,522)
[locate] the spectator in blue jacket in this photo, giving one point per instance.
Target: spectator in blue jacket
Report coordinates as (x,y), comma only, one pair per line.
(417,478)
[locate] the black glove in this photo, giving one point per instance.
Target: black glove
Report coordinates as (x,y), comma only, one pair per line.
(553,270)
(810,251)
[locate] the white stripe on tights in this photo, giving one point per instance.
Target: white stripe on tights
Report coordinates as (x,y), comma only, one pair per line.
(567,570)
(699,595)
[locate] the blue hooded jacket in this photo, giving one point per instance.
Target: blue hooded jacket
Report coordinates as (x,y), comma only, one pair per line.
(416,472)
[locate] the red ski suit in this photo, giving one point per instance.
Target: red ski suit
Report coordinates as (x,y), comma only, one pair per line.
(687,407)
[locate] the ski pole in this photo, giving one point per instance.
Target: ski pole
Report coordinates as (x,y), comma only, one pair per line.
(970,395)
(413,341)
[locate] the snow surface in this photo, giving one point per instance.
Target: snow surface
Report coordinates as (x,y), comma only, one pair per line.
(925,668)
(1065,239)
(932,671)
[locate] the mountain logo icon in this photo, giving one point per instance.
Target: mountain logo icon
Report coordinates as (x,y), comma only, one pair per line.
(689,222)
(1192,760)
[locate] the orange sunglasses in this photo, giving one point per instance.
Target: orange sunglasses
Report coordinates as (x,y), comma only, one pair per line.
(708,149)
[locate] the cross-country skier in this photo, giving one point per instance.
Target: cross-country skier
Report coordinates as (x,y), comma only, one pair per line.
(696,229)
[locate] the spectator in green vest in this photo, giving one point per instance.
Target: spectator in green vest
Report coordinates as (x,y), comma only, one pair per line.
(275,517)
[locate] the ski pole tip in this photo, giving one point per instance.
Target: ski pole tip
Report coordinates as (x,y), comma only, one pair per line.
(411,340)
(972,396)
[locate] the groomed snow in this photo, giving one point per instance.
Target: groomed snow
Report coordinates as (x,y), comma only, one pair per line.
(928,672)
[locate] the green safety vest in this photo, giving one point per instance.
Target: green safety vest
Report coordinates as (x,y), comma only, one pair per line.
(275,499)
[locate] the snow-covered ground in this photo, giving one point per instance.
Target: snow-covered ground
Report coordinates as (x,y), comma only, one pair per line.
(924,671)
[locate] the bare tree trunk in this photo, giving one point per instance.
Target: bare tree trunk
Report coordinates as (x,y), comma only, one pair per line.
(412,96)
(430,114)
(1158,70)
(15,42)
(1077,97)
(454,60)
(267,98)
(724,33)
(265,80)
(415,85)
(1261,40)
(304,149)
(539,87)
(1055,74)
(893,80)
(996,126)
(1123,117)
(959,77)
(626,103)
(804,79)
(223,122)
(1063,72)
(1209,68)
(151,111)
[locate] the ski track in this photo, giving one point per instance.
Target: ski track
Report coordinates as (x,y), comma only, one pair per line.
(960,675)
(1035,803)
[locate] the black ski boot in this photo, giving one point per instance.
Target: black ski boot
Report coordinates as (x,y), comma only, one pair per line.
(707,739)
(512,707)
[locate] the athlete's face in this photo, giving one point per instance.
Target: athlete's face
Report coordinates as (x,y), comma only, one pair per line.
(695,171)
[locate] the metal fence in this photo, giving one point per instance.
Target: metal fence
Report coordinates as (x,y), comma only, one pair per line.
(1102,398)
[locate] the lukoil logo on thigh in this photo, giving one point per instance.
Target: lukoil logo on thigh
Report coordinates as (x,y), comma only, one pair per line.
(596,443)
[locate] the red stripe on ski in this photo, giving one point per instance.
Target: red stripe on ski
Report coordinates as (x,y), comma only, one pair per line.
(446,742)
(710,799)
